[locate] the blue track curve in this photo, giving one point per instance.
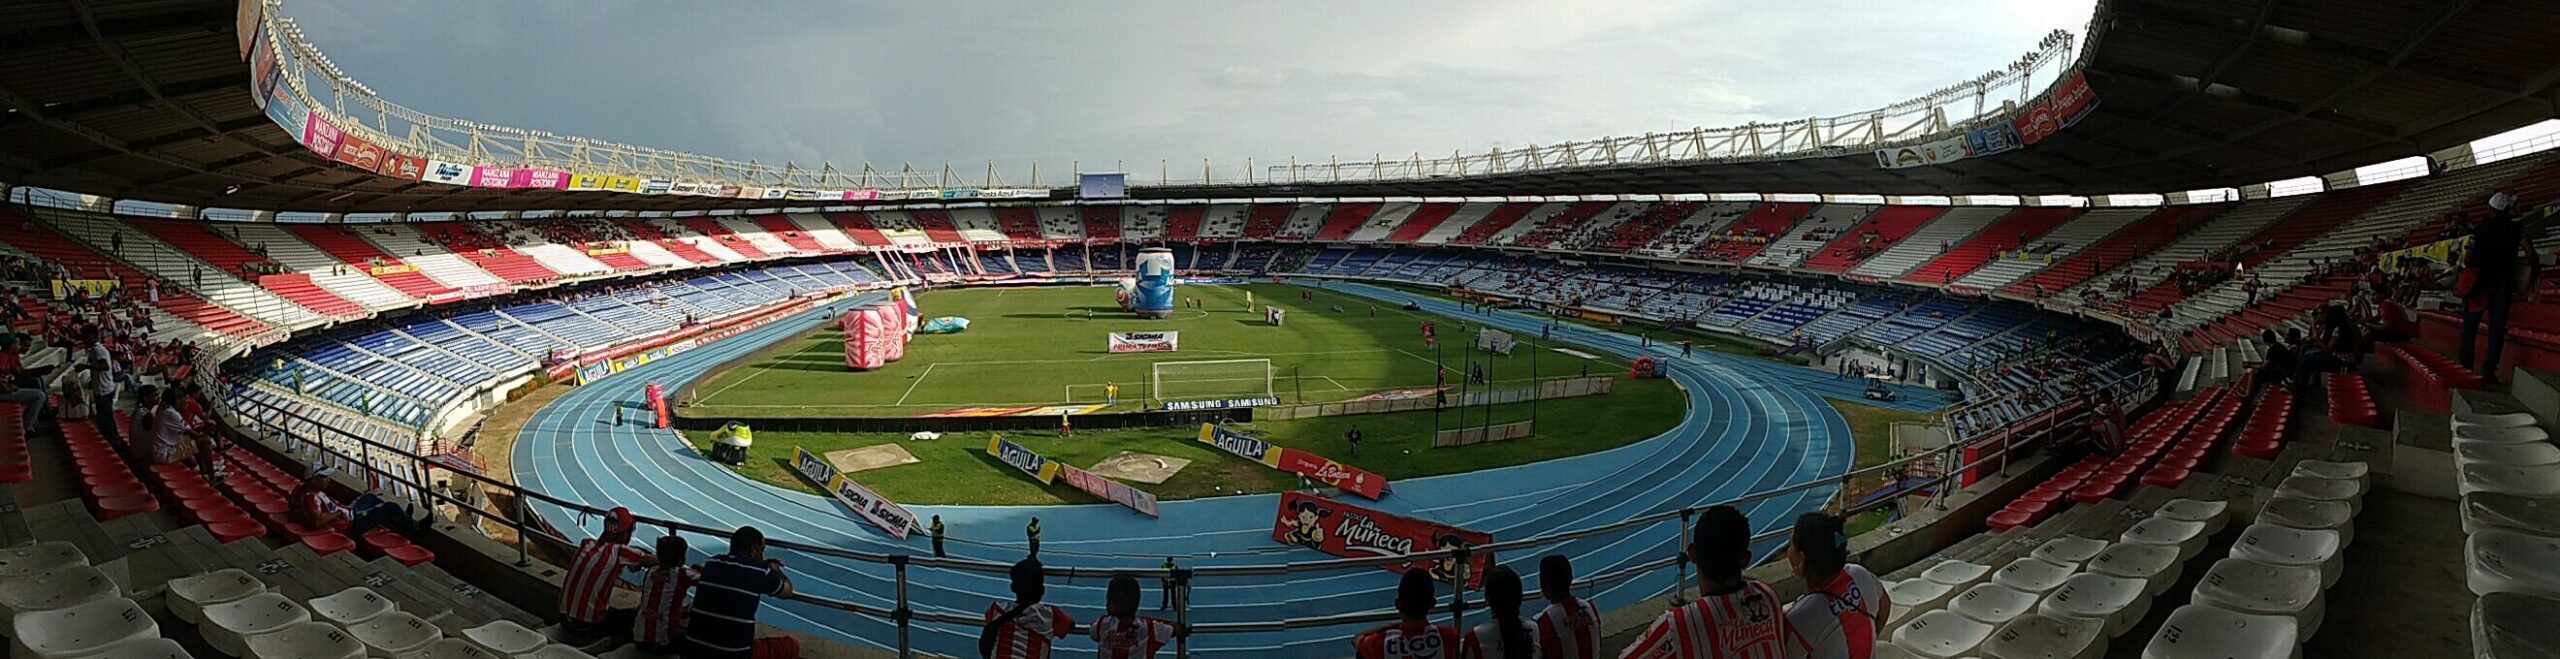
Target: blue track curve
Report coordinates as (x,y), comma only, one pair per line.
(1752,426)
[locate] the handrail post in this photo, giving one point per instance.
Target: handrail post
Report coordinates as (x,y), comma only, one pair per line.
(902,615)
(1181,613)
(523,541)
(1458,588)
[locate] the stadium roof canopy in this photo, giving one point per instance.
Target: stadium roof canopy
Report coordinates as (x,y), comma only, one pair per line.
(149,99)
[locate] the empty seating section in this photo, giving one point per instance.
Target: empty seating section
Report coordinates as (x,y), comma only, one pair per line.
(1224,221)
(1019,224)
(1345,219)
(645,231)
(199,239)
(1100,223)
(44,243)
(1141,222)
(343,243)
(712,229)
(783,229)
(1820,226)
(1879,231)
(2124,245)
(1265,220)
(2143,286)
(1422,222)
(1936,236)
(1381,222)
(1498,221)
(1744,238)
(2011,233)
(1183,222)
(938,227)
(430,246)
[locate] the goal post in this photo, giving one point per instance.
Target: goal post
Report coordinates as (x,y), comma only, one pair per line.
(1204,380)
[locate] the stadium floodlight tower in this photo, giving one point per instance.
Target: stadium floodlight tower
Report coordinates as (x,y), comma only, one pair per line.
(1152,296)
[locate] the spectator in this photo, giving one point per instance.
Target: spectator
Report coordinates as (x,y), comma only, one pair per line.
(1025,627)
(1031,533)
(2488,283)
(660,620)
(1844,608)
(1734,616)
(1414,637)
(26,384)
(1121,633)
(315,509)
(937,531)
(586,594)
(1569,628)
(722,623)
(1506,636)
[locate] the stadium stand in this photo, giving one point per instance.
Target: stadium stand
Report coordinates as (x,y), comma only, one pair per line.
(343,243)
(2012,233)
(1844,249)
(250,261)
(1345,219)
(2060,244)
(1938,235)
(2138,237)
(1744,238)
(1496,222)
(465,239)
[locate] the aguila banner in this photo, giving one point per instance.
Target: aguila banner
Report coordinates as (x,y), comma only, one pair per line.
(890,517)
(1314,467)
(1350,531)
(1145,341)
(1049,471)
(1040,468)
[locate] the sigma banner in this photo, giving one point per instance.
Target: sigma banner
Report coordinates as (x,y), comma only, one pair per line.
(1154,297)
(1288,460)
(321,136)
(448,173)
(1921,155)
(1146,341)
(890,517)
(1109,490)
(1350,531)
(1040,468)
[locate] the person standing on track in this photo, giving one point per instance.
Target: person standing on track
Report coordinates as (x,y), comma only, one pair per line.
(1734,617)
(1031,532)
(1110,394)
(1844,608)
(1167,602)
(936,530)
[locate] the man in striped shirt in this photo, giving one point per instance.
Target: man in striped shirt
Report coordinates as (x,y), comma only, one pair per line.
(1734,617)
(1569,628)
(734,585)
(660,621)
(586,593)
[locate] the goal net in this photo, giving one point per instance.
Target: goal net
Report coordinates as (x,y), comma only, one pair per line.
(1228,378)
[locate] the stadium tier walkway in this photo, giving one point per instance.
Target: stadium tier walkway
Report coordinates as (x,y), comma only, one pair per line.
(1745,432)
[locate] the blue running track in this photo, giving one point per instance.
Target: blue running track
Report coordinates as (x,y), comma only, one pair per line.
(1752,426)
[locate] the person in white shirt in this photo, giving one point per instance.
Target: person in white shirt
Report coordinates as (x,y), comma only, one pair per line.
(1844,607)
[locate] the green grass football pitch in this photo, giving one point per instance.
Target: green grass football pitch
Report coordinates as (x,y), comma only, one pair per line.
(1048,346)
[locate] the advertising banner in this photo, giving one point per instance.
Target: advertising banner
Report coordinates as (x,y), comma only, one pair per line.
(749,192)
(1315,467)
(1107,489)
(448,173)
(262,66)
(402,166)
(287,110)
(960,193)
(1219,404)
(1998,137)
(770,193)
(861,195)
(2070,101)
(726,191)
(321,136)
(1145,341)
(1350,531)
(544,179)
(356,152)
(1920,155)
(246,19)
(870,505)
(624,184)
(799,195)
(585,182)
(656,186)
(1013,193)
(493,177)
(62,288)
(1040,468)
(828,195)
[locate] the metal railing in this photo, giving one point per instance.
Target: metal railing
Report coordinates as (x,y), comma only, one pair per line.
(409,471)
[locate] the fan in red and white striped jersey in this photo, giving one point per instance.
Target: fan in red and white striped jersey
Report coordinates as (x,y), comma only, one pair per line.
(1734,617)
(660,622)
(1123,634)
(1025,627)
(1569,628)
(587,591)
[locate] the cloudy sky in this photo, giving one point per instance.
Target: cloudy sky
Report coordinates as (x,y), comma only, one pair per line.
(970,81)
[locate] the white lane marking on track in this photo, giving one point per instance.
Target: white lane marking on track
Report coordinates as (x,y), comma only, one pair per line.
(911,388)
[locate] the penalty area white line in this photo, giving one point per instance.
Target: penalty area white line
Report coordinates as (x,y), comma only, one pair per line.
(911,387)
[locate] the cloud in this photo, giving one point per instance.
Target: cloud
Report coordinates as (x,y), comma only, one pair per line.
(1136,82)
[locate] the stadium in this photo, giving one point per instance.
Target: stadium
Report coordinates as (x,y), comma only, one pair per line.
(2204,330)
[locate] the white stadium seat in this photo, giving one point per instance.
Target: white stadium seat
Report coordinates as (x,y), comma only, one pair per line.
(1941,635)
(557,652)
(80,631)
(2500,434)
(228,625)
(2070,549)
(2035,636)
(2503,561)
(2542,481)
(505,638)
(2513,626)
(2214,514)
(2248,586)
(2323,489)
(350,606)
(144,648)
(2034,575)
(305,640)
(2312,514)
(1994,604)
(2196,631)
(394,634)
(1917,594)
(2285,545)
(39,558)
(189,595)
(2116,603)
(2524,514)
(2156,565)
(2187,536)
(2345,471)
(1958,574)
(62,588)
(2526,454)
(451,648)
(2507,420)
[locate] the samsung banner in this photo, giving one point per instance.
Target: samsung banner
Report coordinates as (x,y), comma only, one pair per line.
(1145,341)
